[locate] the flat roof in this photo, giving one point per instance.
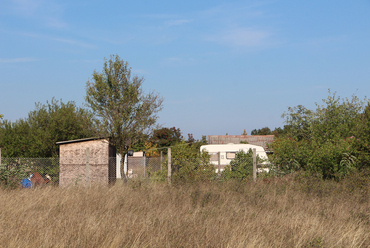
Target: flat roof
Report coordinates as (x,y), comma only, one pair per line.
(77,140)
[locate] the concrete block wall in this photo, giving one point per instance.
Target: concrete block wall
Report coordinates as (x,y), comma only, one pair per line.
(74,168)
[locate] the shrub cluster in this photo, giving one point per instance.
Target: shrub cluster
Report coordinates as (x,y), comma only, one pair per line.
(332,141)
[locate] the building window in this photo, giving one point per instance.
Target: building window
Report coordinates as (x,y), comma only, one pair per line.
(214,156)
(230,155)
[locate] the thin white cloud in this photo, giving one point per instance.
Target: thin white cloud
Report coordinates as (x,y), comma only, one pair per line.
(185,101)
(74,42)
(55,23)
(234,11)
(179,61)
(26,7)
(328,40)
(242,37)
(174,59)
(47,12)
(176,22)
(86,61)
(159,16)
(48,37)
(18,60)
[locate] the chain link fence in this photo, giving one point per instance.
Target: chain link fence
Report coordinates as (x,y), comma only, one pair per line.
(101,170)
(13,170)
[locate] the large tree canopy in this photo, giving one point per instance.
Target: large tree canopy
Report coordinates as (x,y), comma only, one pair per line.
(331,140)
(125,112)
(165,137)
(36,135)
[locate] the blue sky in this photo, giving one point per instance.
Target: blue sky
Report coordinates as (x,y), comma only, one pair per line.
(221,66)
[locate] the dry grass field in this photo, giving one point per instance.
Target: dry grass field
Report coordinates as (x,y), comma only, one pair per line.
(274,213)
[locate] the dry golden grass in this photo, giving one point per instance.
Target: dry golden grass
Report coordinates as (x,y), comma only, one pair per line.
(233,214)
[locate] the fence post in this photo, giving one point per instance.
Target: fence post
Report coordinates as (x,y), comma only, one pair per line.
(254,165)
(161,159)
(144,165)
(169,165)
(87,166)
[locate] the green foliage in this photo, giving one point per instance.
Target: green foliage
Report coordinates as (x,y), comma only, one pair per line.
(126,113)
(139,145)
(36,135)
(166,137)
(262,131)
(267,131)
(241,167)
(190,168)
(11,175)
(278,131)
(17,139)
(361,140)
(323,141)
(15,169)
(188,164)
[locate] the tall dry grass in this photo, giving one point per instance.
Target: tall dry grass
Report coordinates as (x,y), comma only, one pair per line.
(274,213)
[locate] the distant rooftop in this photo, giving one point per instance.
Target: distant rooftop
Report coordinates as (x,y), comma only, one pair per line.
(258,140)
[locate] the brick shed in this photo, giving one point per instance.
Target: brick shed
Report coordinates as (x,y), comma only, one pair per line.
(86,161)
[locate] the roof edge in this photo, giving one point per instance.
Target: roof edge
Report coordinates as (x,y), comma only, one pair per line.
(78,140)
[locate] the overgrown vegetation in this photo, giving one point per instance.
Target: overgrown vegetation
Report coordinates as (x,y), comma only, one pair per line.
(36,135)
(11,175)
(241,167)
(188,163)
(13,170)
(291,211)
(332,141)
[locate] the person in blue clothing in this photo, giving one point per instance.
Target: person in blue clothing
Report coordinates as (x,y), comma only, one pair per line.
(26,183)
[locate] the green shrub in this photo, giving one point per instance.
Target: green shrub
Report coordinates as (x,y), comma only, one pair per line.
(242,166)
(331,140)
(10,176)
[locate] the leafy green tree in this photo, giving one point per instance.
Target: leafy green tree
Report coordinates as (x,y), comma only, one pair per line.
(125,112)
(36,135)
(262,131)
(140,145)
(320,141)
(188,163)
(166,137)
(278,131)
(17,139)
(361,139)
(240,167)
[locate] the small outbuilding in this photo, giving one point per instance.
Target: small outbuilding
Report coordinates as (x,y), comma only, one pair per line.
(85,161)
